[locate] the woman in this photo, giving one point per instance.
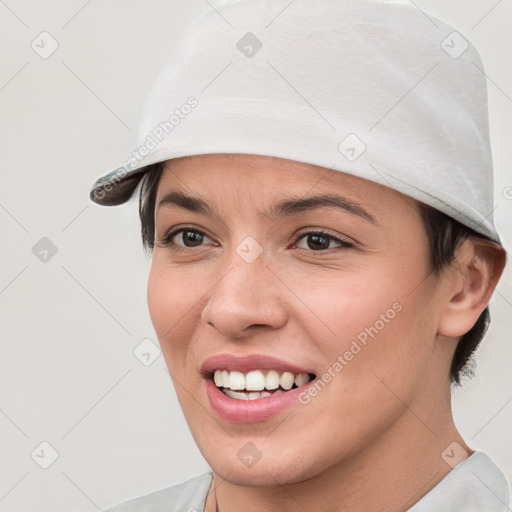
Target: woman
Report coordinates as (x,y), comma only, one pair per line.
(317,197)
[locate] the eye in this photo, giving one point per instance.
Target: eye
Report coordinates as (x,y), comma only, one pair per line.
(188,236)
(319,241)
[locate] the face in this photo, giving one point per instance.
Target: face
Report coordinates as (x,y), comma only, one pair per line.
(331,297)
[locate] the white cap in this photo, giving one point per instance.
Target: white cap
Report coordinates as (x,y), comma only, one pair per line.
(374,88)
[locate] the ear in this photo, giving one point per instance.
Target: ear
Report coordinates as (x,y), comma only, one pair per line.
(471,280)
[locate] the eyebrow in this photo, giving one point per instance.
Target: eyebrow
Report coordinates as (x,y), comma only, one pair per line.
(282,208)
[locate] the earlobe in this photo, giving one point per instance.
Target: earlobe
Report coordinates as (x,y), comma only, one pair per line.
(472,278)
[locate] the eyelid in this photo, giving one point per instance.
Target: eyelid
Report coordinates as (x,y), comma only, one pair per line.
(324,231)
(165,241)
(343,241)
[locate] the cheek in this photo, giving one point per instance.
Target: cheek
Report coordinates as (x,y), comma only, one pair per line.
(169,302)
(160,303)
(373,322)
(380,350)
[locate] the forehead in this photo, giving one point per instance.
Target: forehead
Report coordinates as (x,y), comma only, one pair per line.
(238,189)
(262,178)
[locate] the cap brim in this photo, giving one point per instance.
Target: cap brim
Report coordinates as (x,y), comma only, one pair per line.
(117,187)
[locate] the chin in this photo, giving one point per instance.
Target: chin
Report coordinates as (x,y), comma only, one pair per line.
(278,467)
(263,474)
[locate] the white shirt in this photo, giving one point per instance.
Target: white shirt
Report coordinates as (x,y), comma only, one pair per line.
(475,485)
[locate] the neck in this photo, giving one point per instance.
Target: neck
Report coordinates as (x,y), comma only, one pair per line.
(395,471)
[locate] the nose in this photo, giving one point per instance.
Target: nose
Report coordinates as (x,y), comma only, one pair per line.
(247,297)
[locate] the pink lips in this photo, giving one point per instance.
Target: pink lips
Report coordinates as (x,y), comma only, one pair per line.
(248,411)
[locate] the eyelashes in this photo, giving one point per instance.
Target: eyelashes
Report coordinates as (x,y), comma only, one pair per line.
(167,241)
(196,236)
(323,235)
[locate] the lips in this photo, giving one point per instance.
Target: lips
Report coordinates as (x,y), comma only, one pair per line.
(252,388)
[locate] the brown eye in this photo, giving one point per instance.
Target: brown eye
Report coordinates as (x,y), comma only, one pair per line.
(184,238)
(190,238)
(319,241)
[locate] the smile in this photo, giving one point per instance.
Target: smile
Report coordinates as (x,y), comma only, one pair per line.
(251,388)
(257,383)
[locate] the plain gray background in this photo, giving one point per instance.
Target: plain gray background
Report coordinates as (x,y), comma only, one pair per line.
(71,321)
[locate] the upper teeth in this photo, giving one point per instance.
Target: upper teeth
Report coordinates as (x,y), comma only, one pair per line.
(256,380)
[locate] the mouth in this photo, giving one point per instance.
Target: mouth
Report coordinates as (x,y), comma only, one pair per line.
(252,388)
(258,384)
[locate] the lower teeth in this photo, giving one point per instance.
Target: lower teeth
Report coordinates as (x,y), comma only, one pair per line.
(250,395)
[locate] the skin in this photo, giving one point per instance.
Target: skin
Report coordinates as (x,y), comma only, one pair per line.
(372,438)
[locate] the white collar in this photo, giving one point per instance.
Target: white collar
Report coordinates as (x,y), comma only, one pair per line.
(475,485)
